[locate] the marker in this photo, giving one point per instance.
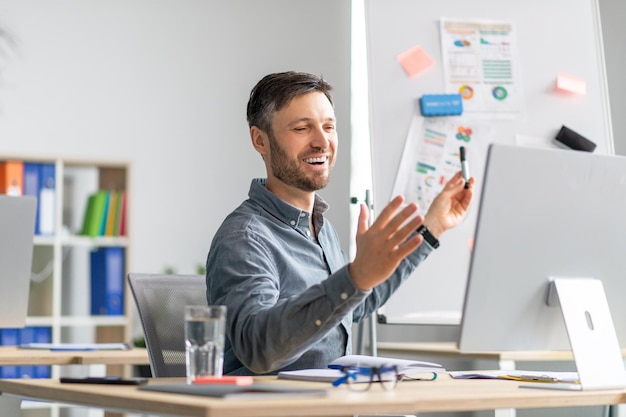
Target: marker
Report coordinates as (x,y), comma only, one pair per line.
(464,167)
(224,380)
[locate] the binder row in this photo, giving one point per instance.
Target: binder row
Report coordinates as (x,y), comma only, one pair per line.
(36,179)
(16,337)
(105,214)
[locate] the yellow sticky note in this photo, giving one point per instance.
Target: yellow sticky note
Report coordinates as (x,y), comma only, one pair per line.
(415,60)
(571,84)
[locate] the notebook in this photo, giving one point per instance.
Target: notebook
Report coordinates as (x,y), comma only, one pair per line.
(237,392)
(333,372)
(17,228)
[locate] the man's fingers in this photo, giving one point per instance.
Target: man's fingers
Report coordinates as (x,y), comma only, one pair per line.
(387,213)
(396,221)
(399,236)
(363,220)
(405,248)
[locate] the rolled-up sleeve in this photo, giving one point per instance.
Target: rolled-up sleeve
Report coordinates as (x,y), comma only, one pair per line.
(272,318)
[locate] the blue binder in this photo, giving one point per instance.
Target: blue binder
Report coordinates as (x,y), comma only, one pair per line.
(31,186)
(9,337)
(107,281)
(46,199)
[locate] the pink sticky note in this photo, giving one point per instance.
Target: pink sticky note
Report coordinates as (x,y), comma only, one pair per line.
(570,84)
(415,60)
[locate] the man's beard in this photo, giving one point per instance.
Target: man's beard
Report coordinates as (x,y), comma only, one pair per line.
(289,172)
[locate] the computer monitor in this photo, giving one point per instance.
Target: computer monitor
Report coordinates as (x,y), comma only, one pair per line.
(17,228)
(543,214)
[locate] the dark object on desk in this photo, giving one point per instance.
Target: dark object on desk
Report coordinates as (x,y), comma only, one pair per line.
(254,391)
(109,380)
(573,140)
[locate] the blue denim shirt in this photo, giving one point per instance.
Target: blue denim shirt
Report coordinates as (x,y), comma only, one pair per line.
(290,299)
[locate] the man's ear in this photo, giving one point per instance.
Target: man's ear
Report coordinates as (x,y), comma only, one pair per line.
(259,140)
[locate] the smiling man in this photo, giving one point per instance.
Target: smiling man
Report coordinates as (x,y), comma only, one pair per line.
(276,261)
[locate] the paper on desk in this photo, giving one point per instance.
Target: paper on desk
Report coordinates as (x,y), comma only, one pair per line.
(75,346)
(321,375)
(316,375)
(517,375)
(405,366)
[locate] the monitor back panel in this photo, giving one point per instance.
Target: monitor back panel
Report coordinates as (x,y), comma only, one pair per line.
(543,214)
(17,226)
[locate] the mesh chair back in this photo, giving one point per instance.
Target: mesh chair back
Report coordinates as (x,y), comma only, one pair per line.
(161,301)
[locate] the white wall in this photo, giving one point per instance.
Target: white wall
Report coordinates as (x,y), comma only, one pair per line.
(613,15)
(164,84)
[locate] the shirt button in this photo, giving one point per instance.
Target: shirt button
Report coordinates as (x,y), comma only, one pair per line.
(303,214)
(308,233)
(293,222)
(344,296)
(318,323)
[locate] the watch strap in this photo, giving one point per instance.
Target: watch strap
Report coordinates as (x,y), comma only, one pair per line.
(428,237)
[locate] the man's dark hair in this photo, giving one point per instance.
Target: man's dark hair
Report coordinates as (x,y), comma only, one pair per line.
(275,91)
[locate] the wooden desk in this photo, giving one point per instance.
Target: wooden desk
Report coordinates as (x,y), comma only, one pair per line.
(506,360)
(410,397)
(451,349)
(12,355)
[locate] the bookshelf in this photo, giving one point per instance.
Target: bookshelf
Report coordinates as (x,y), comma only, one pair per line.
(61,282)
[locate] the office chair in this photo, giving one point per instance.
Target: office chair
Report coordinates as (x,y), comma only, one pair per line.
(161,301)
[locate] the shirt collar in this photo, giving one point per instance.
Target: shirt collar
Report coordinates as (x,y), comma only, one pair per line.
(280,209)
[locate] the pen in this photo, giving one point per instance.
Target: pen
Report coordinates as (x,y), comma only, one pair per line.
(530,378)
(464,166)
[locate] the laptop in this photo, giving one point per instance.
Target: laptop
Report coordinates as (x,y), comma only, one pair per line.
(17,228)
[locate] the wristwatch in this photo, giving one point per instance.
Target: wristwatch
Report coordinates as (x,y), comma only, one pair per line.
(428,237)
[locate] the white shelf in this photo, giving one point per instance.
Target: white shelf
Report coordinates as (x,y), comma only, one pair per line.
(44,240)
(78,321)
(87,241)
(61,262)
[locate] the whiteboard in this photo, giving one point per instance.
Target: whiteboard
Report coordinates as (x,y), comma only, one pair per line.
(550,37)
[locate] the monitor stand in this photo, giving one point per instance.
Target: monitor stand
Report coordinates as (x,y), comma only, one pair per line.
(591,334)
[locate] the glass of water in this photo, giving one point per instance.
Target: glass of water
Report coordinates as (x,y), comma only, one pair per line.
(204,340)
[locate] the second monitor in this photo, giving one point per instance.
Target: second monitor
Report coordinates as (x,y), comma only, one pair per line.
(17,228)
(543,214)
